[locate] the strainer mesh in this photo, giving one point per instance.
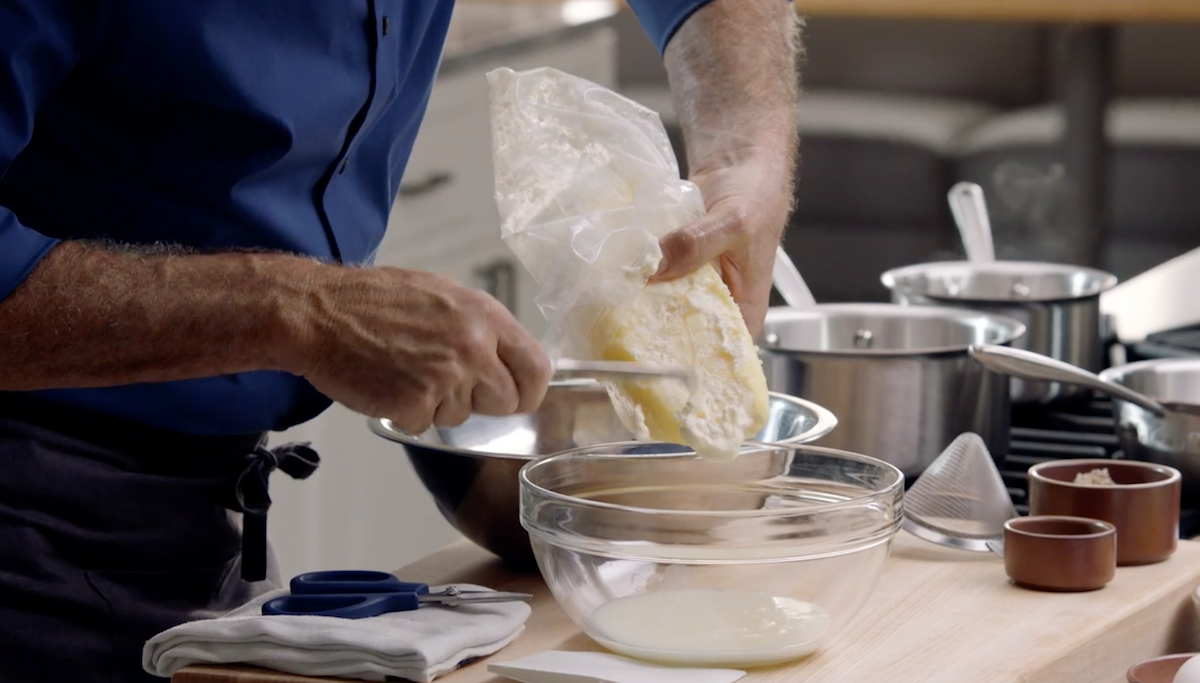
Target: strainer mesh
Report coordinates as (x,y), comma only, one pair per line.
(961,493)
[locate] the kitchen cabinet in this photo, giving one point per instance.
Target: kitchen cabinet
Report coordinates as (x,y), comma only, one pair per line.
(364,508)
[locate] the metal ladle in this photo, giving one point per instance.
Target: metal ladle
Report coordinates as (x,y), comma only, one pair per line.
(1028,365)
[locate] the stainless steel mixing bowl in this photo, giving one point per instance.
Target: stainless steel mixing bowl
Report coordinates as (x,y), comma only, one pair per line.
(471,470)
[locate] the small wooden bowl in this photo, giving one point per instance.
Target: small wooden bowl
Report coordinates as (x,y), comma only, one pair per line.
(1057,553)
(1143,505)
(1157,669)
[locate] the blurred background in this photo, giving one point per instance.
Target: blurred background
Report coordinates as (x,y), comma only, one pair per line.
(896,108)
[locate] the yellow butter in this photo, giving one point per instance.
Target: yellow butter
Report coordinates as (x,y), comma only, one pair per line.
(693,322)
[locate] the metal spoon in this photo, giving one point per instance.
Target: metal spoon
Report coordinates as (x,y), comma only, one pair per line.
(621,370)
(971,216)
(1028,365)
(787,279)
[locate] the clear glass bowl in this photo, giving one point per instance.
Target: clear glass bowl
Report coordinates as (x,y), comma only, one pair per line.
(663,556)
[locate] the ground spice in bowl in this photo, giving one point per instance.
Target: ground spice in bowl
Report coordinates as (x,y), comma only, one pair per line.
(1096,477)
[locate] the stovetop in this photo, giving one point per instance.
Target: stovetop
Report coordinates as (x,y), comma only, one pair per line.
(1085,428)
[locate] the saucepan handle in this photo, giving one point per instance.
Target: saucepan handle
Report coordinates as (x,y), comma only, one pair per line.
(1028,365)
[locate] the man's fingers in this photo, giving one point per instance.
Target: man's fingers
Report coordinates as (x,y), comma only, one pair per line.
(416,413)
(528,365)
(721,230)
(496,391)
(455,408)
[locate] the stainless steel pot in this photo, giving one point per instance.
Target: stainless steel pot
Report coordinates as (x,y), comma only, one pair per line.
(1172,438)
(1059,305)
(899,378)
(471,470)
(1156,404)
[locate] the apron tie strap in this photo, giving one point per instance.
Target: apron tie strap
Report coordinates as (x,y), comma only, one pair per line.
(250,496)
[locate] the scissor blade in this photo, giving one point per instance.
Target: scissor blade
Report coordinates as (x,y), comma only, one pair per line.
(452,599)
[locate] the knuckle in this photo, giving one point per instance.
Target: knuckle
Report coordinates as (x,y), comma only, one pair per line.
(687,245)
(454,376)
(479,301)
(542,367)
(476,340)
(740,221)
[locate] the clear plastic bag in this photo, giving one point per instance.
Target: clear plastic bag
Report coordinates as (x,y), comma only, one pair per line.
(586,184)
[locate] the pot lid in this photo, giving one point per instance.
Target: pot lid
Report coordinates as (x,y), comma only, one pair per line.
(999,281)
(883,329)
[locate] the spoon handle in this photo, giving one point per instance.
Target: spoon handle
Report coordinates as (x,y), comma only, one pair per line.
(1028,365)
(971,216)
(787,279)
(618,370)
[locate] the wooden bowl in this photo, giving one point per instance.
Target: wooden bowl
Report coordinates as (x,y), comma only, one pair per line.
(1143,505)
(1055,553)
(1157,669)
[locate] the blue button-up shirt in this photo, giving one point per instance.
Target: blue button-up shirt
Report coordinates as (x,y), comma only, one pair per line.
(216,124)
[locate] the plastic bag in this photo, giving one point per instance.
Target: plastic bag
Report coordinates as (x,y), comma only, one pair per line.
(586,184)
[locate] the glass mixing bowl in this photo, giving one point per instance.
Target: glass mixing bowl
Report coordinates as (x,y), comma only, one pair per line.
(661,555)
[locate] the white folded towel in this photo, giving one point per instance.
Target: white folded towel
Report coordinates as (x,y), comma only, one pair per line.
(417,645)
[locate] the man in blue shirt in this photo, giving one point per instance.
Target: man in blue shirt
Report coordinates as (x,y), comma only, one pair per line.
(189,195)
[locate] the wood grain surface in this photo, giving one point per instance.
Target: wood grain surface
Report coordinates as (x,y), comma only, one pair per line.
(937,616)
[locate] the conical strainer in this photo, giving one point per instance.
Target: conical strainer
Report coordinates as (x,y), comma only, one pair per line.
(960,500)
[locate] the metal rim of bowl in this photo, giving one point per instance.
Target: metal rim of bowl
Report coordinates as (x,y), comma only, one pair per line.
(893,279)
(1173,475)
(1118,373)
(825,423)
(896,484)
(1010,328)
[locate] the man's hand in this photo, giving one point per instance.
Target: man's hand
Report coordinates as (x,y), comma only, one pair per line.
(735,82)
(406,345)
(419,349)
(746,215)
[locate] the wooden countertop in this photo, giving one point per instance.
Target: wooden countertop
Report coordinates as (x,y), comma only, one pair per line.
(937,616)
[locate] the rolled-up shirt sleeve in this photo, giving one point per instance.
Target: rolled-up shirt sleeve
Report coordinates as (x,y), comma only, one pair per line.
(660,19)
(40,42)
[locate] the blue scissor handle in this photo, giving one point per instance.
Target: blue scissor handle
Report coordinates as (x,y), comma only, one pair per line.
(347,606)
(353,581)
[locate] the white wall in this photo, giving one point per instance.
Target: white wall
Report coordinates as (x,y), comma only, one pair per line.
(363,508)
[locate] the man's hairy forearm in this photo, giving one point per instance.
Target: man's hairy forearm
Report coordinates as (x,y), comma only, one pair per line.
(734,73)
(89,315)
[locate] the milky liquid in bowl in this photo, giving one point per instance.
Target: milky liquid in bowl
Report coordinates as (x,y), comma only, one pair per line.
(710,627)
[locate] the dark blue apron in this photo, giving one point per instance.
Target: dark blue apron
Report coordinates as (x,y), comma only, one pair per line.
(111,532)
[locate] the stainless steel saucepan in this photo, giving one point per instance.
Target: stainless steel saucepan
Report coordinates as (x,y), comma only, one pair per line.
(899,378)
(1058,303)
(1156,403)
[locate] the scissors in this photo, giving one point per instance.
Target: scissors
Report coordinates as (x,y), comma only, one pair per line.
(355,594)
